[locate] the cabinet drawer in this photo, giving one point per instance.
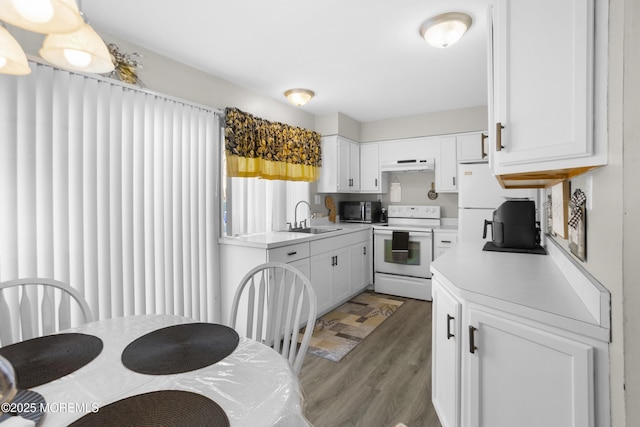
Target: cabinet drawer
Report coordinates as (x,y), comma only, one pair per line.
(331,243)
(289,253)
(444,240)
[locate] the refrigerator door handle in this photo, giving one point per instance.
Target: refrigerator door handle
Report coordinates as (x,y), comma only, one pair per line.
(484,232)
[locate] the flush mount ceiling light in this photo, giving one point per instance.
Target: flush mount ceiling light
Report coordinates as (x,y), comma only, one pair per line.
(444,30)
(42,16)
(299,97)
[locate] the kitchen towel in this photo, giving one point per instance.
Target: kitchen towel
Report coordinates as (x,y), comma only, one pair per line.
(400,246)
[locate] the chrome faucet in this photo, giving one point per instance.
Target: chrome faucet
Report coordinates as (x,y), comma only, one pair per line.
(295,214)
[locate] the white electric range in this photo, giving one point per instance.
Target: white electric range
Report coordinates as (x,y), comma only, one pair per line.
(409,276)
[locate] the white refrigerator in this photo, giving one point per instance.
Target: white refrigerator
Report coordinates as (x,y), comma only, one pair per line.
(479,194)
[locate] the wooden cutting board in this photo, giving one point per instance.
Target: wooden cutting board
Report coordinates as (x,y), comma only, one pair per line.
(330,204)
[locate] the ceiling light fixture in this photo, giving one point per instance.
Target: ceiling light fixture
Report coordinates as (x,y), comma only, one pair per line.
(12,57)
(82,50)
(299,97)
(42,16)
(446,29)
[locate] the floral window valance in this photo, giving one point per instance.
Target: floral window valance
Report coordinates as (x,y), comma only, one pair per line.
(258,148)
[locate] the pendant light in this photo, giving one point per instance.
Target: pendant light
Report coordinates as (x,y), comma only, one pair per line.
(81,50)
(42,16)
(299,97)
(12,57)
(444,30)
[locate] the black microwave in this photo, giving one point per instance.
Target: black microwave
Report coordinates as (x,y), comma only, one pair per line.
(369,212)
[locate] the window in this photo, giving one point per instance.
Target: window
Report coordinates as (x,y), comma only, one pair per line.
(254,205)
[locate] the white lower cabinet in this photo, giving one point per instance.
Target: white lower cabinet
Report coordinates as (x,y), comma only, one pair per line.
(492,368)
(446,346)
(361,257)
(339,268)
(330,277)
(443,240)
(521,375)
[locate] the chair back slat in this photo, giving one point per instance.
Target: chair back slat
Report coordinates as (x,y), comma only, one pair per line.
(33,307)
(283,294)
(278,309)
(29,326)
(6,330)
(260,328)
(297,321)
(289,321)
(47,309)
(64,310)
(251,302)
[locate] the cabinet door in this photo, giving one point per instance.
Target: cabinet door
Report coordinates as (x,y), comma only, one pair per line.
(542,83)
(447,166)
(369,168)
(321,268)
(359,266)
(472,148)
(354,166)
(523,376)
(446,347)
(328,182)
(341,272)
(344,167)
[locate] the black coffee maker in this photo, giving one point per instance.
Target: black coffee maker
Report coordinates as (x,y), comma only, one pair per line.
(514,227)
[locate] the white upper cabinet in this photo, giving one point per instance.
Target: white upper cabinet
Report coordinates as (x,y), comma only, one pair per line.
(472,147)
(371,179)
(447,165)
(340,165)
(547,65)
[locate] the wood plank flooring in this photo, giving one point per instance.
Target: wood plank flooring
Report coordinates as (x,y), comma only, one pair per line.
(385,380)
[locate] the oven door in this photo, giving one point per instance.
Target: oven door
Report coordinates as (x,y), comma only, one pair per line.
(418,262)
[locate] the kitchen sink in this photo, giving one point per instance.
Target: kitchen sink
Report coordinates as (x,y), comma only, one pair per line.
(314,230)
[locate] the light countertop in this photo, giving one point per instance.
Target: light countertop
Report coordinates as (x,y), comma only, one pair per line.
(276,239)
(528,285)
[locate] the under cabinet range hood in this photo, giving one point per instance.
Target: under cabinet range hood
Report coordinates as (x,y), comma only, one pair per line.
(409,165)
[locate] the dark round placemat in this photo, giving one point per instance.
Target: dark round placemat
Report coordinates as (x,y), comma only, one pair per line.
(40,360)
(158,408)
(180,348)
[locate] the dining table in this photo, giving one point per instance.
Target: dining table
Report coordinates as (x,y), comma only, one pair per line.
(184,371)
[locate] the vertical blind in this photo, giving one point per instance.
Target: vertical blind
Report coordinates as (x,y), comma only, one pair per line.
(111,190)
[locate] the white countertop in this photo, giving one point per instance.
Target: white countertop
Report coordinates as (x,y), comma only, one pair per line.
(528,285)
(276,239)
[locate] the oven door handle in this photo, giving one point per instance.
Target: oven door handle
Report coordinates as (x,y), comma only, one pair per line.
(412,234)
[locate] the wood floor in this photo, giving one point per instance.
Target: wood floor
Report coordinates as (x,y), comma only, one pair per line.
(385,380)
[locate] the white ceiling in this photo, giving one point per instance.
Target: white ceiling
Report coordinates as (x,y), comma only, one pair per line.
(364,58)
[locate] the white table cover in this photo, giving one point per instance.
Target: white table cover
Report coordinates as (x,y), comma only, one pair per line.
(254,385)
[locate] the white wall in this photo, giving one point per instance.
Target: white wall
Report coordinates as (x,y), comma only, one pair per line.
(164,75)
(631,212)
(437,123)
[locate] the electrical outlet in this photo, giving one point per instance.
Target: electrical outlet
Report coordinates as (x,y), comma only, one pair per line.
(379,198)
(318,199)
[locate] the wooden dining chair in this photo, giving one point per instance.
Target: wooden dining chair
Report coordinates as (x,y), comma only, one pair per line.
(277,300)
(40,307)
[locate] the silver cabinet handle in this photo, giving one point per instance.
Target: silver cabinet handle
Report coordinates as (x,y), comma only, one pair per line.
(291,253)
